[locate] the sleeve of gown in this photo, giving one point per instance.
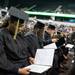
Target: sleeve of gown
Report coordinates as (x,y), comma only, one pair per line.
(60,42)
(5,64)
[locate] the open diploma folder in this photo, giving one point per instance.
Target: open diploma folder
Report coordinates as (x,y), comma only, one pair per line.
(43,60)
(51,46)
(69,45)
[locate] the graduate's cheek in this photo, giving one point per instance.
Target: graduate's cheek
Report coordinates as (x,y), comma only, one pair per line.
(20,29)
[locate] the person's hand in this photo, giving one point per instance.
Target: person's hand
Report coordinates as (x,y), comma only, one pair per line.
(31,60)
(54,40)
(24,71)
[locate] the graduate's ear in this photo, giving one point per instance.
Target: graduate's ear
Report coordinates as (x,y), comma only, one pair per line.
(9,22)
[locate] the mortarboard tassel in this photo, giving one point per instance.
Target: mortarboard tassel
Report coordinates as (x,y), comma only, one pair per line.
(16,30)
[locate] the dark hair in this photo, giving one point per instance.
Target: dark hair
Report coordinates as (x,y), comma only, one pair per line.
(51,27)
(39,25)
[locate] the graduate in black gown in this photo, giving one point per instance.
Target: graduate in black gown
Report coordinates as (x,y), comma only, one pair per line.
(13,48)
(48,39)
(35,39)
(48,33)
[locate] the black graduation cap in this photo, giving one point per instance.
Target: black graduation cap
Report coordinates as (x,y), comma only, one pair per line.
(39,25)
(51,27)
(16,14)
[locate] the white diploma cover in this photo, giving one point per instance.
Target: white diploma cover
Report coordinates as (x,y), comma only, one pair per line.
(69,45)
(51,46)
(43,60)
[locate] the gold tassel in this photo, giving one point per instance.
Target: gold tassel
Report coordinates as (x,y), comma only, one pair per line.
(16,30)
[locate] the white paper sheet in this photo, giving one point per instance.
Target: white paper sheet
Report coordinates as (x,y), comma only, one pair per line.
(69,45)
(38,68)
(52,45)
(43,60)
(44,56)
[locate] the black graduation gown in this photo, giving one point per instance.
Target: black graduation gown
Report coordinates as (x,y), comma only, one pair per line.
(47,39)
(72,71)
(13,53)
(32,42)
